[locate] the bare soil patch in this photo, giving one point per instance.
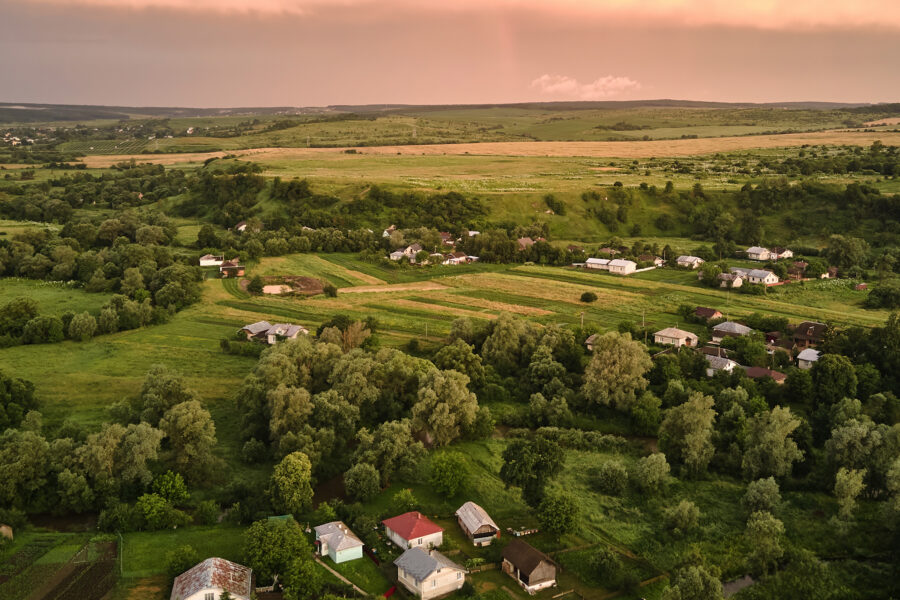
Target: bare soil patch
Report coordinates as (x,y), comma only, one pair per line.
(888,121)
(422,286)
(292,284)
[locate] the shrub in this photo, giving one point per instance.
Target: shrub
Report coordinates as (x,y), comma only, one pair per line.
(612,478)
(180,560)
(330,290)
(607,567)
(650,472)
(82,327)
(762,495)
(683,517)
(254,451)
(589,297)
(448,473)
(557,513)
(207,512)
(256,285)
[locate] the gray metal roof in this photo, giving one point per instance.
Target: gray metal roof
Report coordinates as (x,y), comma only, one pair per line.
(419,564)
(719,363)
(257,327)
(732,327)
(473,516)
(337,536)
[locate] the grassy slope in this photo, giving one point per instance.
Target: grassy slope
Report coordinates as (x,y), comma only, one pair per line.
(53,298)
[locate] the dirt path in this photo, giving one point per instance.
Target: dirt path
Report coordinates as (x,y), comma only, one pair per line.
(422,286)
(630,149)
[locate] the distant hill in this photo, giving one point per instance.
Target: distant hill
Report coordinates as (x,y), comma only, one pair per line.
(20,112)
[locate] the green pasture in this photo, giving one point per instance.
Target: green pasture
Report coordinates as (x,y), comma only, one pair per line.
(52,297)
(143,552)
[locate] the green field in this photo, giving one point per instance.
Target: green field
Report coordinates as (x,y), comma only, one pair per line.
(53,298)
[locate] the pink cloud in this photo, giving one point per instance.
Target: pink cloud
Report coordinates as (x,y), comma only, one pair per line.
(757,14)
(568,87)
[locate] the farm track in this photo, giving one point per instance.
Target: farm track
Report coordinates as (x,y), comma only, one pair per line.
(629,149)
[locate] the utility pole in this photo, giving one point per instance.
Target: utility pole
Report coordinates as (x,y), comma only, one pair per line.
(582,320)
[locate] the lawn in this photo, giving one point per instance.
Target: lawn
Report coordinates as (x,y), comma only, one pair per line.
(363,573)
(53,298)
(143,553)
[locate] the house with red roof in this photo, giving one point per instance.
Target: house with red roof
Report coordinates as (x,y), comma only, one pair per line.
(412,530)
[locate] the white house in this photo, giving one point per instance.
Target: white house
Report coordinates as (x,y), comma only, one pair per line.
(397,255)
(210,260)
(601,264)
(387,232)
(758,253)
(759,276)
(672,336)
(209,579)
(285,331)
(689,261)
(337,541)
(731,280)
(622,267)
(428,573)
(413,529)
(718,363)
(807,358)
(778,253)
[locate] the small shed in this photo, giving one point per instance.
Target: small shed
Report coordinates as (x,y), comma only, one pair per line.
(477,524)
(533,569)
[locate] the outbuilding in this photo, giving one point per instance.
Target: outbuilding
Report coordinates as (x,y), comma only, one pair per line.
(530,567)
(477,524)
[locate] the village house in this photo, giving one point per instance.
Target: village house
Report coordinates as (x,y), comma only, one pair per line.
(707,314)
(533,569)
(446,238)
(428,573)
(719,363)
(691,262)
(622,267)
(337,541)
(759,372)
(574,249)
(758,253)
(714,351)
(649,258)
(455,258)
(590,341)
(779,253)
(477,524)
(413,529)
(473,233)
(397,255)
(859,287)
(809,333)
(210,260)
(231,268)
(525,243)
(607,250)
(209,579)
(409,252)
(831,273)
(730,280)
(758,276)
(387,232)
(807,358)
(797,270)
(729,329)
(263,331)
(672,336)
(241,226)
(600,264)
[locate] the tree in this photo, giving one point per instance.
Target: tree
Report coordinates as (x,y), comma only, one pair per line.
(529,464)
(180,560)
(303,579)
(762,495)
(607,566)
(650,472)
(612,477)
(770,449)
(132,282)
(16,399)
(616,372)
(43,330)
(362,481)
(192,435)
(271,546)
(448,473)
(391,448)
(510,343)
(588,297)
(685,435)
(291,489)
(460,356)
(764,533)
(404,501)
(445,406)
(171,486)
(162,389)
(848,484)
(846,252)
(558,513)
(82,327)
(256,285)
(646,413)
(15,314)
(109,320)
(834,378)
(207,237)
(798,386)
(682,517)
(693,583)
(24,467)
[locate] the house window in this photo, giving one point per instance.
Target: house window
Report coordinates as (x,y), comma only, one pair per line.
(434,583)
(459,574)
(209,596)
(419,542)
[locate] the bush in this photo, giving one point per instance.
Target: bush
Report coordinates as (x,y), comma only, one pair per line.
(180,560)
(448,473)
(254,451)
(330,290)
(207,512)
(683,517)
(256,285)
(43,330)
(155,513)
(558,513)
(650,472)
(612,478)
(82,327)
(589,297)
(171,486)
(607,566)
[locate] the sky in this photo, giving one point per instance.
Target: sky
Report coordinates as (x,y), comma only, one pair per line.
(229,53)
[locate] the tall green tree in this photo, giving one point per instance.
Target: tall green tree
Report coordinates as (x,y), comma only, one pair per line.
(685,435)
(291,488)
(770,450)
(529,464)
(764,533)
(616,372)
(445,406)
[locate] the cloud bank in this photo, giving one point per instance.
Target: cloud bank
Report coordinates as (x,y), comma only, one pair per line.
(599,89)
(758,14)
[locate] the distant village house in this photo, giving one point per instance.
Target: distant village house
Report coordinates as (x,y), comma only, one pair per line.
(672,336)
